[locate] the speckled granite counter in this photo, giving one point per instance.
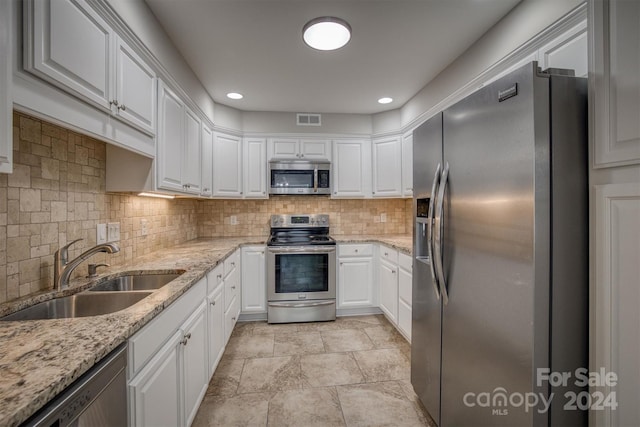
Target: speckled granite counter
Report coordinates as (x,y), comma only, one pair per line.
(40,358)
(401,242)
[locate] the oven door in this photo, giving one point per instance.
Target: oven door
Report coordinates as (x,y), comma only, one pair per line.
(299,273)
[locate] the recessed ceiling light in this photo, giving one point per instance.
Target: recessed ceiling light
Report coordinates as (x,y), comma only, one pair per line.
(326,33)
(385,100)
(235,95)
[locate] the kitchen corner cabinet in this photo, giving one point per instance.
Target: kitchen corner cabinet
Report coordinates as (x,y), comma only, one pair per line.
(206,161)
(299,149)
(355,276)
(178,144)
(227,166)
(388,282)
(69,45)
(351,168)
(407,165)
(6,100)
(387,167)
(255,168)
(168,363)
(254,286)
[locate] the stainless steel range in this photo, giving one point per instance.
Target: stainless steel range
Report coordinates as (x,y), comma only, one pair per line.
(301,269)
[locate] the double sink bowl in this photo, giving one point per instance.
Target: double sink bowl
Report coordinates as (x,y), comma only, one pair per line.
(105,297)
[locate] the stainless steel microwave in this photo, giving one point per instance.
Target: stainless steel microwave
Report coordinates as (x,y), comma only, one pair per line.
(299,177)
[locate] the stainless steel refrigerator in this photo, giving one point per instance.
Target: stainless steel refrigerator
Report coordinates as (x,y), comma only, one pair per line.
(500,281)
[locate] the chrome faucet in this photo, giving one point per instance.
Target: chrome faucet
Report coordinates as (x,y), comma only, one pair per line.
(63,267)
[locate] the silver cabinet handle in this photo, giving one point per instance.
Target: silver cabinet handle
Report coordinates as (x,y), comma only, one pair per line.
(185,339)
(439,224)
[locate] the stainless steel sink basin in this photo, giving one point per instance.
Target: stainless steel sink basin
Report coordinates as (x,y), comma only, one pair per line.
(138,282)
(79,305)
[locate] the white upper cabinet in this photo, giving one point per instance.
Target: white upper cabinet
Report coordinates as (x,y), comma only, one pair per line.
(387,167)
(407,165)
(135,94)
(6,101)
(351,168)
(299,149)
(170,136)
(191,153)
(615,95)
(69,45)
(227,165)
(255,168)
(206,161)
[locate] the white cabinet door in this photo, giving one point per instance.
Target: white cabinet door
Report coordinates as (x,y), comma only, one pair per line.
(569,50)
(254,286)
(407,165)
(388,277)
(206,161)
(231,316)
(135,90)
(283,148)
(255,168)
(615,98)
(404,301)
(355,282)
(191,154)
(315,149)
(195,362)
(170,136)
(387,161)
(6,98)
(216,333)
(155,392)
(72,47)
(351,168)
(227,166)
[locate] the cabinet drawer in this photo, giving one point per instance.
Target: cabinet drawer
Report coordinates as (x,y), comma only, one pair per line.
(215,278)
(231,262)
(146,342)
(389,254)
(355,250)
(405,261)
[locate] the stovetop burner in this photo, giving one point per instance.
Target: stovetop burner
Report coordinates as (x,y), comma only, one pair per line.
(300,230)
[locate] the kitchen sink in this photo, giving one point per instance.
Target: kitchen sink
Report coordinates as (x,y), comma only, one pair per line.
(135,282)
(79,305)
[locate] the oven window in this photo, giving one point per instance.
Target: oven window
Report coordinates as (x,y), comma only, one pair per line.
(297,273)
(291,179)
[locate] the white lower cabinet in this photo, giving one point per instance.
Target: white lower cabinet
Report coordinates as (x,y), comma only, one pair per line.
(405,289)
(232,276)
(388,276)
(215,319)
(167,389)
(254,286)
(355,276)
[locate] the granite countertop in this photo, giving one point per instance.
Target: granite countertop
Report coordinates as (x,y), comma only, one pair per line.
(40,358)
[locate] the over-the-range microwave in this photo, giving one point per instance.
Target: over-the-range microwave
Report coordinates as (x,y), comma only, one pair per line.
(299,177)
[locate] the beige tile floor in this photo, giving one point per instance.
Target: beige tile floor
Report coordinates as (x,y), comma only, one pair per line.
(351,372)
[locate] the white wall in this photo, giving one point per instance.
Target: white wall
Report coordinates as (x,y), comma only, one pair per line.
(228,117)
(525,21)
(389,121)
(273,122)
(144,24)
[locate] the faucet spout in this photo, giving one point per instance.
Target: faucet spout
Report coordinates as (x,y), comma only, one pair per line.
(64,270)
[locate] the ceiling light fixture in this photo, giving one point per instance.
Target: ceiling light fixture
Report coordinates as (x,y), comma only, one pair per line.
(235,95)
(326,33)
(385,100)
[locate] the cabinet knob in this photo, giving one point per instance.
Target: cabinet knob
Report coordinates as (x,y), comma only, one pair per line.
(233,318)
(122,107)
(219,276)
(386,254)
(213,303)
(393,271)
(114,102)
(301,155)
(233,287)
(233,264)
(342,263)
(356,251)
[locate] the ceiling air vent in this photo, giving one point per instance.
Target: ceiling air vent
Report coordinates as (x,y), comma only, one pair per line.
(306,119)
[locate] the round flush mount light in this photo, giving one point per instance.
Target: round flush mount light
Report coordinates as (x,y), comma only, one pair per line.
(326,33)
(234,95)
(385,100)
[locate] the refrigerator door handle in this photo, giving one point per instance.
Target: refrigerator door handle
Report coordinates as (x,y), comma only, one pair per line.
(438,234)
(434,189)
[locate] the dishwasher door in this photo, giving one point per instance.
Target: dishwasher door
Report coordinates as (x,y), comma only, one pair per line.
(98,398)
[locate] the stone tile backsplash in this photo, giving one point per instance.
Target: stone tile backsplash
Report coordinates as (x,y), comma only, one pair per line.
(57,194)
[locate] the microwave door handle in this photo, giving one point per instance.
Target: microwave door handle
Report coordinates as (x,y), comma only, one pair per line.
(315,179)
(430,212)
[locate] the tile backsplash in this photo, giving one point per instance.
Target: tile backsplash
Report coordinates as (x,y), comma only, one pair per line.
(57,194)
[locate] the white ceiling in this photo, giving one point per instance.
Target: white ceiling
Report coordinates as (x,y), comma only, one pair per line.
(255,47)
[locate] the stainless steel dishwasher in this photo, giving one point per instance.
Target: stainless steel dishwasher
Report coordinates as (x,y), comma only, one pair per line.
(97,398)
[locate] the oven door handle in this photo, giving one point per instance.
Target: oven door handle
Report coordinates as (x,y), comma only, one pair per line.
(301,304)
(299,249)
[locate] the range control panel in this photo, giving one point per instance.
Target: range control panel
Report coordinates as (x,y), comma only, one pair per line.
(304,220)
